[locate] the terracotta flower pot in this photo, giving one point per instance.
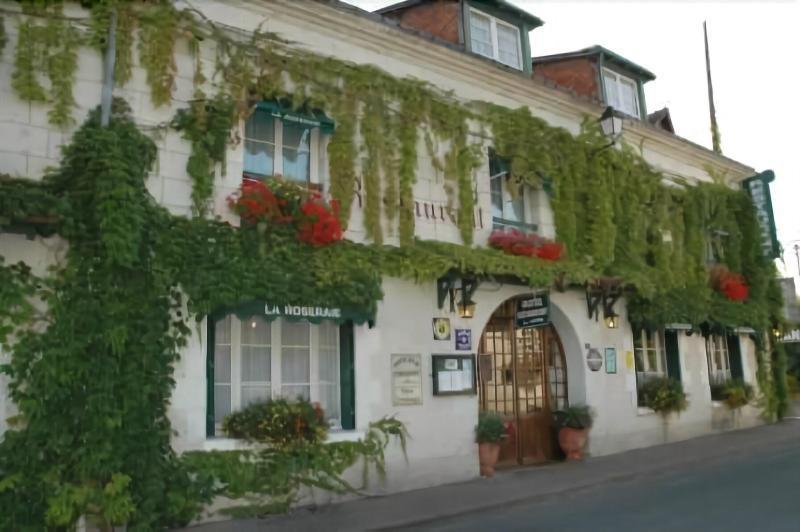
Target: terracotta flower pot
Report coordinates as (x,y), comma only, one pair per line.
(572,442)
(488,453)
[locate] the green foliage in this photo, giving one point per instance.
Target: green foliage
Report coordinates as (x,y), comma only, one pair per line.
(269,478)
(574,417)
(62,63)
(47,49)
(207,125)
(3,36)
(126,22)
(664,395)
(27,203)
(93,385)
(17,286)
(27,61)
(278,422)
(158,31)
(490,428)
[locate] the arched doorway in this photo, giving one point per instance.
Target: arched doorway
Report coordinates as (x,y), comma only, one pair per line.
(523,378)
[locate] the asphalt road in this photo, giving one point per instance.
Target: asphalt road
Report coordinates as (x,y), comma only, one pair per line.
(760,492)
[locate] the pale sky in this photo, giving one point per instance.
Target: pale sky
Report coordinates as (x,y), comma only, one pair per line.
(755,52)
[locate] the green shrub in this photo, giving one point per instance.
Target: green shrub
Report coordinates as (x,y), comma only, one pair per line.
(574,417)
(490,429)
(792,383)
(664,395)
(278,422)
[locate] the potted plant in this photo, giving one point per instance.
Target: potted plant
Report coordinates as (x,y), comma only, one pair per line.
(489,432)
(664,396)
(573,425)
(737,394)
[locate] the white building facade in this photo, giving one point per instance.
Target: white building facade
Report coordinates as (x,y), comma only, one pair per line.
(525,373)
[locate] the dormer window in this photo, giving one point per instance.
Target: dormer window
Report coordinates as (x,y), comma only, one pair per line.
(621,93)
(495,39)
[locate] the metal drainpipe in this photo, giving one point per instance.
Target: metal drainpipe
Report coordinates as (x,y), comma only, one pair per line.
(108,75)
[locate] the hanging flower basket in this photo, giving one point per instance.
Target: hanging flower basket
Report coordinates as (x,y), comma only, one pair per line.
(734,287)
(516,242)
(731,285)
(280,202)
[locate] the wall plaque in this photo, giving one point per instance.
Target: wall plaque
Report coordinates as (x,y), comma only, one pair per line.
(406,379)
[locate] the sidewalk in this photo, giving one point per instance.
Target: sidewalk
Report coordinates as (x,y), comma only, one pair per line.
(419,506)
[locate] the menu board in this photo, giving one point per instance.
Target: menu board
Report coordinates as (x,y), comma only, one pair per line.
(406,379)
(453,374)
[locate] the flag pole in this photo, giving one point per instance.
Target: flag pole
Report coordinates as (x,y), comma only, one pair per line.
(715,141)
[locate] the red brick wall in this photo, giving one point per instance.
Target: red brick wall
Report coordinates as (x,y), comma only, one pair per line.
(439,18)
(576,74)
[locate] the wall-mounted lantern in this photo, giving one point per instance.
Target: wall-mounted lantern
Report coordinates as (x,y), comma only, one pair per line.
(604,293)
(611,124)
(466,307)
(611,319)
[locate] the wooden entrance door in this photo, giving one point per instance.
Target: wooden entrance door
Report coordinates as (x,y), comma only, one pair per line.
(523,378)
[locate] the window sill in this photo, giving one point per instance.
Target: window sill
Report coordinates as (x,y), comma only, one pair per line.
(644,411)
(232,444)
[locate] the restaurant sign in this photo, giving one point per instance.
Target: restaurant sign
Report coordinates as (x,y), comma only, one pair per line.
(758,188)
(313,313)
(533,311)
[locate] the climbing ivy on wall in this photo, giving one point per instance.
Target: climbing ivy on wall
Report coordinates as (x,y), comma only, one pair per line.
(94,383)
(112,344)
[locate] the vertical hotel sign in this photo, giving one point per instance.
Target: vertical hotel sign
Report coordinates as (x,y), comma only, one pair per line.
(758,188)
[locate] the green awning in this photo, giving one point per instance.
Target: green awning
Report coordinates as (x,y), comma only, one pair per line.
(287,114)
(311,313)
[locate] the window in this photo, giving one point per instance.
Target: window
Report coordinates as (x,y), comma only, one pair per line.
(255,360)
(277,146)
(649,357)
(719,363)
(621,93)
(495,39)
(508,198)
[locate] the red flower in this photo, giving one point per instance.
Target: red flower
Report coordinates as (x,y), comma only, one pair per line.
(516,242)
(320,225)
(550,250)
(254,202)
(732,285)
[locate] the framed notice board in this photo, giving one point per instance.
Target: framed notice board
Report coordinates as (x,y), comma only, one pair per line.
(454,374)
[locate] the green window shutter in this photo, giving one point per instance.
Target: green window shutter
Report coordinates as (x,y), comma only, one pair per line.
(735,356)
(210,376)
(673,355)
(347,382)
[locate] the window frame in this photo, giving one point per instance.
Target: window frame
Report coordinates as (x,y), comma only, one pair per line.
(526,225)
(618,79)
(275,383)
(642,345)
(315,145)
(718,344)
(495,43)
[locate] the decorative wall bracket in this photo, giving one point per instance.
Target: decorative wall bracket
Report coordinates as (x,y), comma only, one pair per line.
(603,293)
(448,286)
